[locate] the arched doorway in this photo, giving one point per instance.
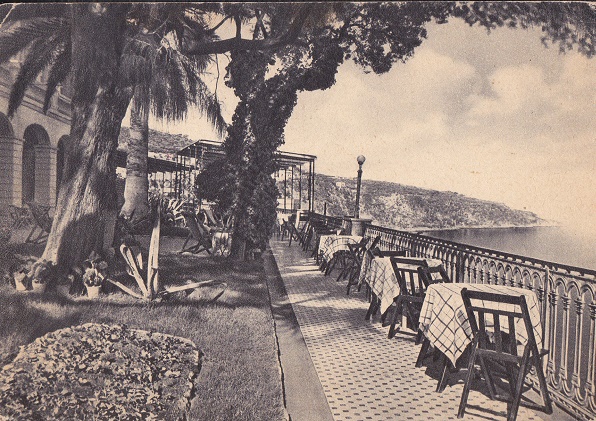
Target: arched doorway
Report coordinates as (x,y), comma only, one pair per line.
(34,136)
(60,162)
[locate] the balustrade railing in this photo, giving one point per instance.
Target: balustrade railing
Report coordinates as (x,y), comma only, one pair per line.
(567,295)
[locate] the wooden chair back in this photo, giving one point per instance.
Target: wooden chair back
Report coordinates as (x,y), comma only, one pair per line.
(491,340)
(429,275)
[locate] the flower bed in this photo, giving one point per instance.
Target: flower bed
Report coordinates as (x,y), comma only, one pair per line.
(100,372)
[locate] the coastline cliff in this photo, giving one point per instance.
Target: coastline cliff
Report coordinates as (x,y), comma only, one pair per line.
(411,208)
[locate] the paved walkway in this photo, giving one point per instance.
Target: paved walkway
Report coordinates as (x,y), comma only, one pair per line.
(363,374)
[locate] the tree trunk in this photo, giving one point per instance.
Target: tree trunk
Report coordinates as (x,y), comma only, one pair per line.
(136,204)
(87,194)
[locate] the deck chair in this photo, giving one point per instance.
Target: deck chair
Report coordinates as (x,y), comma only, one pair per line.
(198,234)
(502,348)
(42,223)
(20,216)
(211,219)
(411,296)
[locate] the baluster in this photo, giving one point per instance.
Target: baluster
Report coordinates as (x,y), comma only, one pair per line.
(591,383)
(512,279)
(578,343)
(565,346)
(460,267)
(496,276)
(551,370)
(520,282)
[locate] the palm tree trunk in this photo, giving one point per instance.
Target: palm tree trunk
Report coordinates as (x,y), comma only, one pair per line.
(136,204)
(87,195)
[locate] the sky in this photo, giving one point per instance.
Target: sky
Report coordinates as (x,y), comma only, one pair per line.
(494,116)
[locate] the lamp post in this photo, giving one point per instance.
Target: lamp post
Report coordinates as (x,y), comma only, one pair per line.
(360,161)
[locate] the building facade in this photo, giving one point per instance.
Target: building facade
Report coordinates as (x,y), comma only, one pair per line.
(31,143)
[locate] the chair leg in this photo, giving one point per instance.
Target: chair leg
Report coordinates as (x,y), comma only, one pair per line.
(492,391)
(468,383)
(396,315)
(371,308)
(30,236)
(443,377)
(422,353)
(185,243)
(512,414)
(548,407)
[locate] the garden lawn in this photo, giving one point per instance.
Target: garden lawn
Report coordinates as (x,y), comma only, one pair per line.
(239,377)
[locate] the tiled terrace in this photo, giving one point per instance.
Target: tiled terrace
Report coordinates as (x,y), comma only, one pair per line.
(365,375)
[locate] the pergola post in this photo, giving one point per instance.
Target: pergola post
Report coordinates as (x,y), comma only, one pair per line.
(300,186)
(285,187)
(312,197)
(292,194)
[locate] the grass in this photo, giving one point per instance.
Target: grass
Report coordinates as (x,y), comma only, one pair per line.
(239,377)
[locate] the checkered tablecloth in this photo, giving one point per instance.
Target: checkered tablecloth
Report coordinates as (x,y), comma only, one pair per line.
(331,244)
(381,279)
(444,321)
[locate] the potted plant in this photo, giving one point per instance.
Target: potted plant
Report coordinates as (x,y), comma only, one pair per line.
(21,279)
(42,274)
(64,284)
(94,275)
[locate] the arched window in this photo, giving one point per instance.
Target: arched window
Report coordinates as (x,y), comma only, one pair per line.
(60,162)
(34,135)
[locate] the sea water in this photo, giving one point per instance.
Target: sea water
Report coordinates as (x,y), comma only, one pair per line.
(562,245)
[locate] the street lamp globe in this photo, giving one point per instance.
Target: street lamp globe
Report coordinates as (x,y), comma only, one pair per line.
(360,159)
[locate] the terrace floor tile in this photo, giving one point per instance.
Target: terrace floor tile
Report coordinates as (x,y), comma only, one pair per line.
(365,375)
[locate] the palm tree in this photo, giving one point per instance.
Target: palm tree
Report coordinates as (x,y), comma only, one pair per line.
(167,83)
(69,40)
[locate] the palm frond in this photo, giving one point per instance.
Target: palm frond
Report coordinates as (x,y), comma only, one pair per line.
(18,37)
(209,106)
(169,88)
(134,70)
(58,73)
(39,56)
(23,11)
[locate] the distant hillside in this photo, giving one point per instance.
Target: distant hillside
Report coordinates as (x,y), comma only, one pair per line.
(405,207)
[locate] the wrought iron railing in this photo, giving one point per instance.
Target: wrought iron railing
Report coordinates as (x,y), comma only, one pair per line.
(333,222)
(567,295)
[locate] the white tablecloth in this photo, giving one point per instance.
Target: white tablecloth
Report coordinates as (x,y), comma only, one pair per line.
(444,320)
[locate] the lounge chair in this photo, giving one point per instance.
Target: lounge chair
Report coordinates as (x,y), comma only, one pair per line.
(211,219)
(43,223)
(20,216)
(198,233)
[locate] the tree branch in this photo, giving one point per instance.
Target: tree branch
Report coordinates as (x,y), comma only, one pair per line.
(216,27)
(238,26)
(236,43)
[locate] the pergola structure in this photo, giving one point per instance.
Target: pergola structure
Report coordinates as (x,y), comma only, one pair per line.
(163,171)
(191,160)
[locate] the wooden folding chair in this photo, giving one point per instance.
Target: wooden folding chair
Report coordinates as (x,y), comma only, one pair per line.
(431,276)
(318,232)
(502,347)
(198,234)
(43,223)
(353,259)
(410,299)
